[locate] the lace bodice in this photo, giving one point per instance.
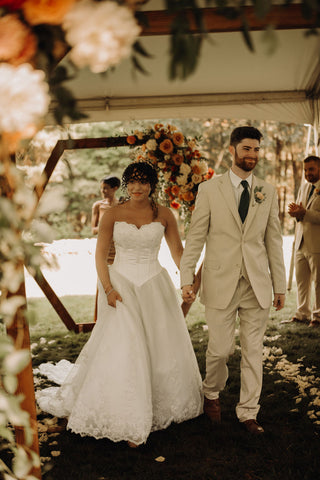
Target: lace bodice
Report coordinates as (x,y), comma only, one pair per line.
(137,250)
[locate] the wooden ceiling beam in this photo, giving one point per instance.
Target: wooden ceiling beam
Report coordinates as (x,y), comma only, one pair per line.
(280,16)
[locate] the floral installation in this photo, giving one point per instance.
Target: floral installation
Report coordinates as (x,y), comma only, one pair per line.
(181,167)
(259,196)
(36,34)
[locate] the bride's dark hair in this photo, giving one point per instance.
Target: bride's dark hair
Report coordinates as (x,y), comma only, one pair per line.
(142,172)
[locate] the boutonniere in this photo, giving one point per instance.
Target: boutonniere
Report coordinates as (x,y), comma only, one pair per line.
(259,196)
(317,191)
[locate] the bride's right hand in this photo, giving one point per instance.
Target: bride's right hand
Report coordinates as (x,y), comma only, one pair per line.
(113,297)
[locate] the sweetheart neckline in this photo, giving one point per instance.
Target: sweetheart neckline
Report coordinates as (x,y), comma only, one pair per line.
(134,225)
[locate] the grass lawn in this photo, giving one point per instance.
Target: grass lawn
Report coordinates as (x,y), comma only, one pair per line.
(194,450)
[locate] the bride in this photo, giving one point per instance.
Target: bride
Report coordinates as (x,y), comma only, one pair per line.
(138,372)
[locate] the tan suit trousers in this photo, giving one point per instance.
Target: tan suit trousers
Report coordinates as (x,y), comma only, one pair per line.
(221,326)
(307,267)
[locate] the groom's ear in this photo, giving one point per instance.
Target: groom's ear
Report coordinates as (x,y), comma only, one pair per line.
(232,150)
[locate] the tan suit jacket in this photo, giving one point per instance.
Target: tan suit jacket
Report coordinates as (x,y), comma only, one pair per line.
(230,245)
(309,227)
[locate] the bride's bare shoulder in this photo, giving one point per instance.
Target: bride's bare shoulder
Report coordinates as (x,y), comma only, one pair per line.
(164,213)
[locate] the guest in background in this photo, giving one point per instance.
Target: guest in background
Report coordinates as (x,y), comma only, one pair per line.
(108,187)
(306,211)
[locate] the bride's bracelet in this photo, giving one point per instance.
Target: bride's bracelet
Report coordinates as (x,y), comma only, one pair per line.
(108,293)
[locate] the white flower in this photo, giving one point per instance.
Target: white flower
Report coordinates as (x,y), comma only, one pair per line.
(167,176)
(151,144)
(185,168)
(101,34)
(24,97)
(201,165)
(182,179)
(196,178)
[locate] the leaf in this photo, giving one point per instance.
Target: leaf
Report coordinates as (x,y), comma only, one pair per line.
(246,34)
(10,383)
(21,463)
(6,434)
(16,361)
(270,38)
(138,47)
(137,65)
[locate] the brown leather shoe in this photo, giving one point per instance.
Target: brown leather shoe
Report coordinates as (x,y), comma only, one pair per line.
(300,320)
(212,409)
(252,426)
(314,323)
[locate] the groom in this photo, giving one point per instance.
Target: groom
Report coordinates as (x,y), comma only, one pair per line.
(236,217)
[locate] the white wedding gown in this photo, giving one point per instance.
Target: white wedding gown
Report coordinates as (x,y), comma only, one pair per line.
(138,372)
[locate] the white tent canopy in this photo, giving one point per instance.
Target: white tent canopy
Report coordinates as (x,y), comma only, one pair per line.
(230,81)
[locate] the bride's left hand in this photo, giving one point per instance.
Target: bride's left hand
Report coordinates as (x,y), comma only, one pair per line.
(113,297)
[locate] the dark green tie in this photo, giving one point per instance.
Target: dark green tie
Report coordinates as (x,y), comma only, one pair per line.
(244,201)
(311,192)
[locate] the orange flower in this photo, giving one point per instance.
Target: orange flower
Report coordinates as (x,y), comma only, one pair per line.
(157,135)
(175,205)
(166,146)
(17,42)
(175,190)
(131,139)
(152,158)
(209,173)
(178,138)
(46,11)
(188,196)
(196,169)
(158,126)
(177,159)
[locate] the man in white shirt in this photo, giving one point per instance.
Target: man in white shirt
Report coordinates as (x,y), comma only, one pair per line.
(236,217)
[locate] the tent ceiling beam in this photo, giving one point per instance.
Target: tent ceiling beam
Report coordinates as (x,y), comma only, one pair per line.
(281,17)
(212,99)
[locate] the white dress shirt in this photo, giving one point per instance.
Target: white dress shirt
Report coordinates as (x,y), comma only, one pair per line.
(237,187)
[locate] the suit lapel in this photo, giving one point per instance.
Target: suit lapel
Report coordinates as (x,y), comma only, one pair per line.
(313,195)
(227,192)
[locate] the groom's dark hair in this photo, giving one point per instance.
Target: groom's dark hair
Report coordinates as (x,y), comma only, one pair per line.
(240,133)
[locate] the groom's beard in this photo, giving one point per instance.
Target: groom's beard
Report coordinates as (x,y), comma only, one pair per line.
(245,163)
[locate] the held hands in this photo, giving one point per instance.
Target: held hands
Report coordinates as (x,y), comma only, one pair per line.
(188,294)
(296,211)
(278,301)
(112,297)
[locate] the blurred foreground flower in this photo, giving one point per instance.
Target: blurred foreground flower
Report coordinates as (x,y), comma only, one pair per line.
(100,34)
(17,43)
(24,97)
